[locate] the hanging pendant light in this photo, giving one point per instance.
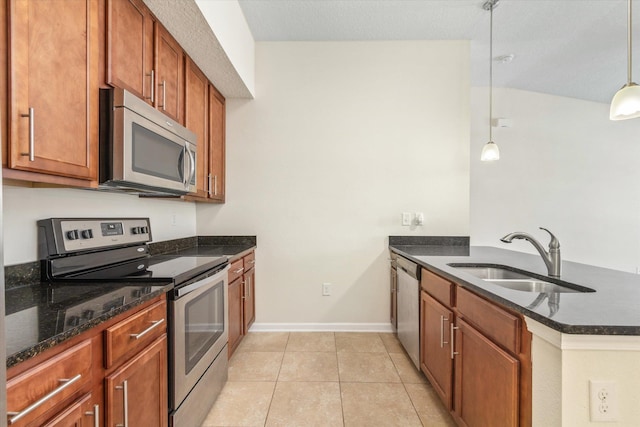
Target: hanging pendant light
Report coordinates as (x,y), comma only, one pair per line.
(626,102)
(490,151)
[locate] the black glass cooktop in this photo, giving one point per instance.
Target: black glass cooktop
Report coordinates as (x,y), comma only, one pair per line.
(155,268)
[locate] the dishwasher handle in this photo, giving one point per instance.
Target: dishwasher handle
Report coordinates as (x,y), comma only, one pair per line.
(410,267)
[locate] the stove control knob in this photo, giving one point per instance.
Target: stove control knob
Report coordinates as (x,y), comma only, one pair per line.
(145,229)
(87,234)
(73,235)
(136,230)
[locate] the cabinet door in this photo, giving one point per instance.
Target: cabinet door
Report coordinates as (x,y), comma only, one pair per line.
(85,412)
(4,81)
(435,355)
(196,118)
(136,394)
(170,83)
(217,144)
(235,313)
(249,300)
(486,381)
(129,33)
(394,299)
(54,54)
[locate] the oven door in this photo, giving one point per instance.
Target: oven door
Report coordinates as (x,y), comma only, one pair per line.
(199,311)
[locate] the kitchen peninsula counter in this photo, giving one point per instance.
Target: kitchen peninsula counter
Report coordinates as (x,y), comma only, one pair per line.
(611,310)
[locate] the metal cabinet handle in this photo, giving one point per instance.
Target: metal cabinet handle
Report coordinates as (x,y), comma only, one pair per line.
(164,94)
(152,76)
(453,353)
(96,415)
(244,289)
(209,185)
(15,416)
(442,341)
(253,261)
(238,271)
(125,403)
(32,135)
(155,323)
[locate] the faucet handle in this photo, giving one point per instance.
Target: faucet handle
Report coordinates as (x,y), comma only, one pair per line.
(554,243)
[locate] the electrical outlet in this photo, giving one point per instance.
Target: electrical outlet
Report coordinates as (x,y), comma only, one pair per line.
(603,401)
(326,289)
(406,218)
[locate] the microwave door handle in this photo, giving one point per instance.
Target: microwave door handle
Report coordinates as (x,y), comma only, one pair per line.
(185,166)
(192,161)
(181,168)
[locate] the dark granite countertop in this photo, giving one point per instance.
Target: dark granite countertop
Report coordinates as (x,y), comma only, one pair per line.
(233,247)
(40,316)
(613,309)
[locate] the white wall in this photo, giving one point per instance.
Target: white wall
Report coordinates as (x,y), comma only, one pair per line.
(23,206)
(340,139)
(564,166)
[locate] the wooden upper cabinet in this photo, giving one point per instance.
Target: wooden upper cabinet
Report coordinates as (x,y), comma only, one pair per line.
(53,108)
(3,79)
(169,78)
(130,55)
(196,117)
(217,116)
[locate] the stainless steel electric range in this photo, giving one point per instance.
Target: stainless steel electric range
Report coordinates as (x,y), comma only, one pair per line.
(100,250)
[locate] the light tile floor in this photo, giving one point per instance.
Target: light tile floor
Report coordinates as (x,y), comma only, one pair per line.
(325,379)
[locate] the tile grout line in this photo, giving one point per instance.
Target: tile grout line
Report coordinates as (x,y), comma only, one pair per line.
(275,386)
(335,345)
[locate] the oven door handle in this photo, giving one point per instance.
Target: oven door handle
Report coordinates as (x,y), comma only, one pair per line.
(202,283)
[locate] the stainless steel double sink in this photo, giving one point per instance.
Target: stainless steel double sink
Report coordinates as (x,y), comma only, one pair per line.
(518,280)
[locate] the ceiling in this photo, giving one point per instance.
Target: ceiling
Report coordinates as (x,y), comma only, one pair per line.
(573,48)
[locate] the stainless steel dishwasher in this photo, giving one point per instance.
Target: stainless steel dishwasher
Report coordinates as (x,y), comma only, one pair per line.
(409,308)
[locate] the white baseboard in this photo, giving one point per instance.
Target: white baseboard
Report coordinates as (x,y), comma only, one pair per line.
(321,327)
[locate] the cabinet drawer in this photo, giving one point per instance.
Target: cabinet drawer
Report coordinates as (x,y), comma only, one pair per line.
(51,383)
(249,261)
(236,270)
(134,333)
(497,324)
(439,288)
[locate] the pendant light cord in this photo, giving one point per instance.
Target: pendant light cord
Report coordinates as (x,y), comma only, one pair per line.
(629,41)
(492,5)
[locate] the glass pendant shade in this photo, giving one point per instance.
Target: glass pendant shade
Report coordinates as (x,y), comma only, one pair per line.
(626,103)
(490,152)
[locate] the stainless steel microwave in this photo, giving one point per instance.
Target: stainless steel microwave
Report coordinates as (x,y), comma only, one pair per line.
(141,149)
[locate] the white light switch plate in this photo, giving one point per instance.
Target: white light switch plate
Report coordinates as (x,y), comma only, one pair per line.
(406,218)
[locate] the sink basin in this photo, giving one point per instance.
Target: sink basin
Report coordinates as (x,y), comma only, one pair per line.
(518,280)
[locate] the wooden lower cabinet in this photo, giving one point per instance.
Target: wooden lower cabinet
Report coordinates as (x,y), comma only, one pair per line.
(476,354)
(435,353)
(75,386)
(486,381)
(249,301)
(242,301)
(235,314)
(85,412)
(136,394)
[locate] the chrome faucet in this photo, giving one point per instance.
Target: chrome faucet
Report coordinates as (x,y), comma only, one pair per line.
(551,259)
